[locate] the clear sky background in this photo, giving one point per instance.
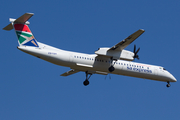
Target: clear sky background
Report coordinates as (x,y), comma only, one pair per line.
(32,89)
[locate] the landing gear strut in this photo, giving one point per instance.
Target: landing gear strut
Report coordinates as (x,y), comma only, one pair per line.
(168,84)
(88,75)
(111,68)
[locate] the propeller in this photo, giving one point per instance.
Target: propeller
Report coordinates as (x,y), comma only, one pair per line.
(135,52)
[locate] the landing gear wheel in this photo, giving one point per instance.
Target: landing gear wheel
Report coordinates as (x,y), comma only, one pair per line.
(88,75)
(86,82)
(168,85)
(111,69)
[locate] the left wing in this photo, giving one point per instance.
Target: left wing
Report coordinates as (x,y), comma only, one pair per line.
(72,71)
(124,43)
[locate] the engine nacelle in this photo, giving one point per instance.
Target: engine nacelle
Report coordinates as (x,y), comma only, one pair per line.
(116,54)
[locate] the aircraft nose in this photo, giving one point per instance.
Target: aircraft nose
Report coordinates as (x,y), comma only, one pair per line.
(173,79)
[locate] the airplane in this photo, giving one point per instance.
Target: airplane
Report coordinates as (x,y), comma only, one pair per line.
(106,60)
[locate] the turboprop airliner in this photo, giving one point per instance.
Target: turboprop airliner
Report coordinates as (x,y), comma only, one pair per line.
(114,60)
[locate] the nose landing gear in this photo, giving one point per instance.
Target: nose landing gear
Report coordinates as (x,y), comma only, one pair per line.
(168,84)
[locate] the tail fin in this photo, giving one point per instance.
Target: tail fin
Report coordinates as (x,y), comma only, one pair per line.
(24,34)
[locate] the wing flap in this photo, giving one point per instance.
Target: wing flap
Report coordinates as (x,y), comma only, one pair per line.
(98,72)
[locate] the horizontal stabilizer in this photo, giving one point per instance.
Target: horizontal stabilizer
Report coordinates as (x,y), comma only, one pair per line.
(23,19)
(8,27)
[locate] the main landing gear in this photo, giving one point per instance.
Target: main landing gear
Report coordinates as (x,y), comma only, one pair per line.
(88,75)
(168,84)
(111,68)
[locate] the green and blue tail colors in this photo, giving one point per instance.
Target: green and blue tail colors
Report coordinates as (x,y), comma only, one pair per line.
(24,35)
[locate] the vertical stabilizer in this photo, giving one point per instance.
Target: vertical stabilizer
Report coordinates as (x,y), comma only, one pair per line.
(24,34)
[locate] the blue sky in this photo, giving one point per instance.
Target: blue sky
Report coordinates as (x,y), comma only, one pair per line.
(31,88)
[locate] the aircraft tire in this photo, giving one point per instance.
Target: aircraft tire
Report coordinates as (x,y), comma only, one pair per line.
(111,69)
(168,85)
(86,82)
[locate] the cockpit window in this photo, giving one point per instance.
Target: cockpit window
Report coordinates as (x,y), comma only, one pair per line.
(164,69)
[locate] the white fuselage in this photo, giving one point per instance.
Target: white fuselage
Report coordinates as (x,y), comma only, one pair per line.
(97,64)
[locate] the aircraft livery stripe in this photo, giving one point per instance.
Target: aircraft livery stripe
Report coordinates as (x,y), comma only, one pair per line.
(22,27)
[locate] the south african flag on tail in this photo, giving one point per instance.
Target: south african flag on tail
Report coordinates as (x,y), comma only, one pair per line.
(24,35)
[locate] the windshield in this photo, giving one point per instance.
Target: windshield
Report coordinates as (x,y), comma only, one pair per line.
(164,69)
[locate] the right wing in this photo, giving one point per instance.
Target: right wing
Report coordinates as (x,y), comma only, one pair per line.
(124,43)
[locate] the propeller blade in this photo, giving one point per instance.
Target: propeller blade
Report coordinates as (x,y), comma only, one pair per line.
(135,52)
(134,48)
(137,57)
